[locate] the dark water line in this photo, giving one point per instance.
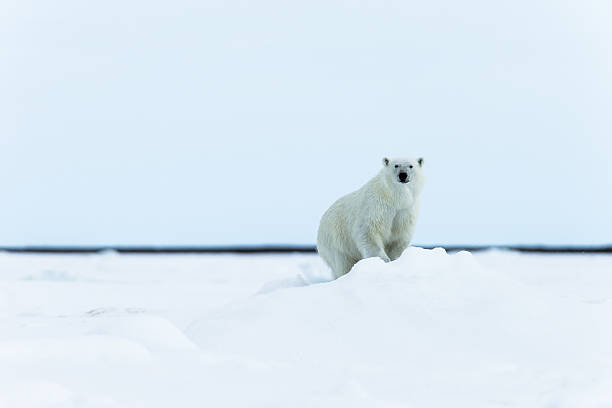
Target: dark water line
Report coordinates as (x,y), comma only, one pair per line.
(280,249)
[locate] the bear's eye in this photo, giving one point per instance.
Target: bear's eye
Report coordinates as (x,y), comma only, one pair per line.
(411,166)
(396,166)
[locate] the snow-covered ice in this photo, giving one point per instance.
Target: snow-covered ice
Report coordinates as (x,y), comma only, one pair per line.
(428,330)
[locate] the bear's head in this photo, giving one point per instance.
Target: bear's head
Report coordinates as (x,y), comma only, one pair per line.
(404,171)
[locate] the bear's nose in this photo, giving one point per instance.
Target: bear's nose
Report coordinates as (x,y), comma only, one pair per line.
(402,177)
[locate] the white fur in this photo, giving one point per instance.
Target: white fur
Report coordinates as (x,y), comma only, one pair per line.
(377,220)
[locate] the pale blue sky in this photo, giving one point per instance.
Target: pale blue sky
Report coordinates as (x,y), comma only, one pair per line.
(237,122)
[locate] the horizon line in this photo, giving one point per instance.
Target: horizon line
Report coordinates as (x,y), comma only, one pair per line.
(255,249)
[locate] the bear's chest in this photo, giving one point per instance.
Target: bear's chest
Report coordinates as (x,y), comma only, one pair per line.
(402,221)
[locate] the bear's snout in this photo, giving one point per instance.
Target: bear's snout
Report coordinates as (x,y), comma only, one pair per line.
(403,176)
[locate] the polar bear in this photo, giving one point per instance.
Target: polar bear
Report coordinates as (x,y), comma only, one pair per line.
(377,220)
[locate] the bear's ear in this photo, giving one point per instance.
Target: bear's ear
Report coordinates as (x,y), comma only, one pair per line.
(421,161)
(385,161)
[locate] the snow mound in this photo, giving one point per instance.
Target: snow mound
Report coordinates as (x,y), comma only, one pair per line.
(430,328)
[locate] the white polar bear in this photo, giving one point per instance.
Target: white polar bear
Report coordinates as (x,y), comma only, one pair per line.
(377,220)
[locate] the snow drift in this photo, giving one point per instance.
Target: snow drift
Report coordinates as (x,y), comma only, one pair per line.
(430,329)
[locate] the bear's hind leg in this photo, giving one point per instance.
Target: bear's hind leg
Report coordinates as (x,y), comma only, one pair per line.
(342,265)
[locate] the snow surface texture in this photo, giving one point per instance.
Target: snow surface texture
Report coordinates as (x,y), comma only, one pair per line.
(428,330)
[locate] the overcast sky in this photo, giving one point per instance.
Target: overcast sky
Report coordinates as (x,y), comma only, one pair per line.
(237,122)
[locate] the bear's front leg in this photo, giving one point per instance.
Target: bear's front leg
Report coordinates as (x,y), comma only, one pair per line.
(371,247)
(395,249)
